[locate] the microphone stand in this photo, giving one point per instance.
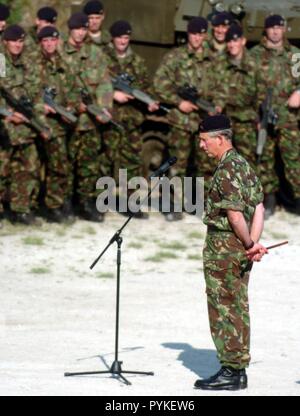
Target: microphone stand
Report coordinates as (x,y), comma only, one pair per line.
(116,367)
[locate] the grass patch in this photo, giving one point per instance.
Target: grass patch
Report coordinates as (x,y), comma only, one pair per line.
(33,241)
(161,256)
(89,230)
(278,235)
(195,235)
(135,245)
(174,245)
(40,270)
(60,233)
(194,257)
(105,275)
(77,236)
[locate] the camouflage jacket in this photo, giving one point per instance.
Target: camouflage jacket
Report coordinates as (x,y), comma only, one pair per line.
(101,40)
(56,73)
(179,67)
(135,66)
(236,87)
(274,70)
(234,186)
(91,72)
(21,80)
(32,42)
(214,48)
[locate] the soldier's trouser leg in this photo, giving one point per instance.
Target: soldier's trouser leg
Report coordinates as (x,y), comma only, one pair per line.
(266,168)
(84,148)
(289,146)
(57,173)
(25,177)
(226,271)
(4,174)
(245,140)
(179,143)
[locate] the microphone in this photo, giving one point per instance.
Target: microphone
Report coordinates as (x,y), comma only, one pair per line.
(164,167)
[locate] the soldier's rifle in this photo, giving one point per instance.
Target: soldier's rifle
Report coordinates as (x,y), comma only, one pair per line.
(123,82)
(49,95)
(268,118)
(24,106)
(189,93)
(95,110)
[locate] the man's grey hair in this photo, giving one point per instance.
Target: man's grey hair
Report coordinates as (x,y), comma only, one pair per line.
(227,133)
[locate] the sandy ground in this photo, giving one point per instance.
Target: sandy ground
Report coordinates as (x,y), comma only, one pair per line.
(57,315)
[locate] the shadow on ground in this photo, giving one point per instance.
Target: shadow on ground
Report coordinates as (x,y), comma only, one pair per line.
(202,362)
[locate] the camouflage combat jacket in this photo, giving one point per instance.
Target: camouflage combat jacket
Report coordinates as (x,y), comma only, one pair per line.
(135,66)
(21,80)
(56,73)
(214,48)
(179,67)
(101,40)
(234,186)
(91,72)
(274,70)
(236,87)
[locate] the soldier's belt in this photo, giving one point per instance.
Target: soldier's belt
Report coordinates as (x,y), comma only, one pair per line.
(213,229)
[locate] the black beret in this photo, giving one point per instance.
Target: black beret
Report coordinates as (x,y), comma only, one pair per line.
(13,32)
(120,28)
(48,32)
(93,7)
(47,13)
(222,18)
(4,12)
(197,25)
(78,20)
(274,20)
(215,123)
(234,32)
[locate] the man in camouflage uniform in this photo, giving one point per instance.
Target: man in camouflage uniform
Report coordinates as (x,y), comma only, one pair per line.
(46,16)
(192,65)
(274,70)
(216,42)
(124,148)
(86,144)
(236,92)
(55,73)
(95,11)
(4,15)
(21,80)
(235,217)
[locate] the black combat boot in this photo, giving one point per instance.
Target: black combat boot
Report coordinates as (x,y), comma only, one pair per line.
(1,219)
(297,206)
(55,215)
(26,218)
(226,379)
(269,205)
(89,212)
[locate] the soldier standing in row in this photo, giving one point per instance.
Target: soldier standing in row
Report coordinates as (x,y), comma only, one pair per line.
(4,15)
(220,25)
(273,58)
(95,11)
(86,144)
(124,148)
(24,170)
(190,65)
(235,217)
(236,92)
(55,73)
(46,16)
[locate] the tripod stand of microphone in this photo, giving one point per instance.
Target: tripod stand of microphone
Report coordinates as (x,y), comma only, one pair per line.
(116,367)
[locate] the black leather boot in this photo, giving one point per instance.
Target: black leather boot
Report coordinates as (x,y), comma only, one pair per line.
(55,215)
(226,379)
(297,206)
(88,211)
(26,218)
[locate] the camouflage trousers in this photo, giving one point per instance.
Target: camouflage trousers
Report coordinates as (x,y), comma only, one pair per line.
(85,155)
(4,174)
(245,140)
(123,151)
(58,173)
(24,178)
(226,271)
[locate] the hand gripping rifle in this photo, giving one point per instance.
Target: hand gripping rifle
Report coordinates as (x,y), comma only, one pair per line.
(190,93)
(123,82)
(49,95)
(95,111)
(268,117)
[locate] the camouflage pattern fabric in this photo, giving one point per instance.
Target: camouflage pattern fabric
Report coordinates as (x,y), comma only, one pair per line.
(179,67)
(125,147)
(226,268)
(274,70)
(4,174)
(102,40)
(215,49)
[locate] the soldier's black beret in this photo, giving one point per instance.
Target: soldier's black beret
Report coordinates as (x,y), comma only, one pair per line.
(48,32)
(274,20)
(234,32)
(47,13)
(13,32)
(93,7)
(120,28)
(221,18)
(215,123)
(78,20)
(197,25)
(4,12)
